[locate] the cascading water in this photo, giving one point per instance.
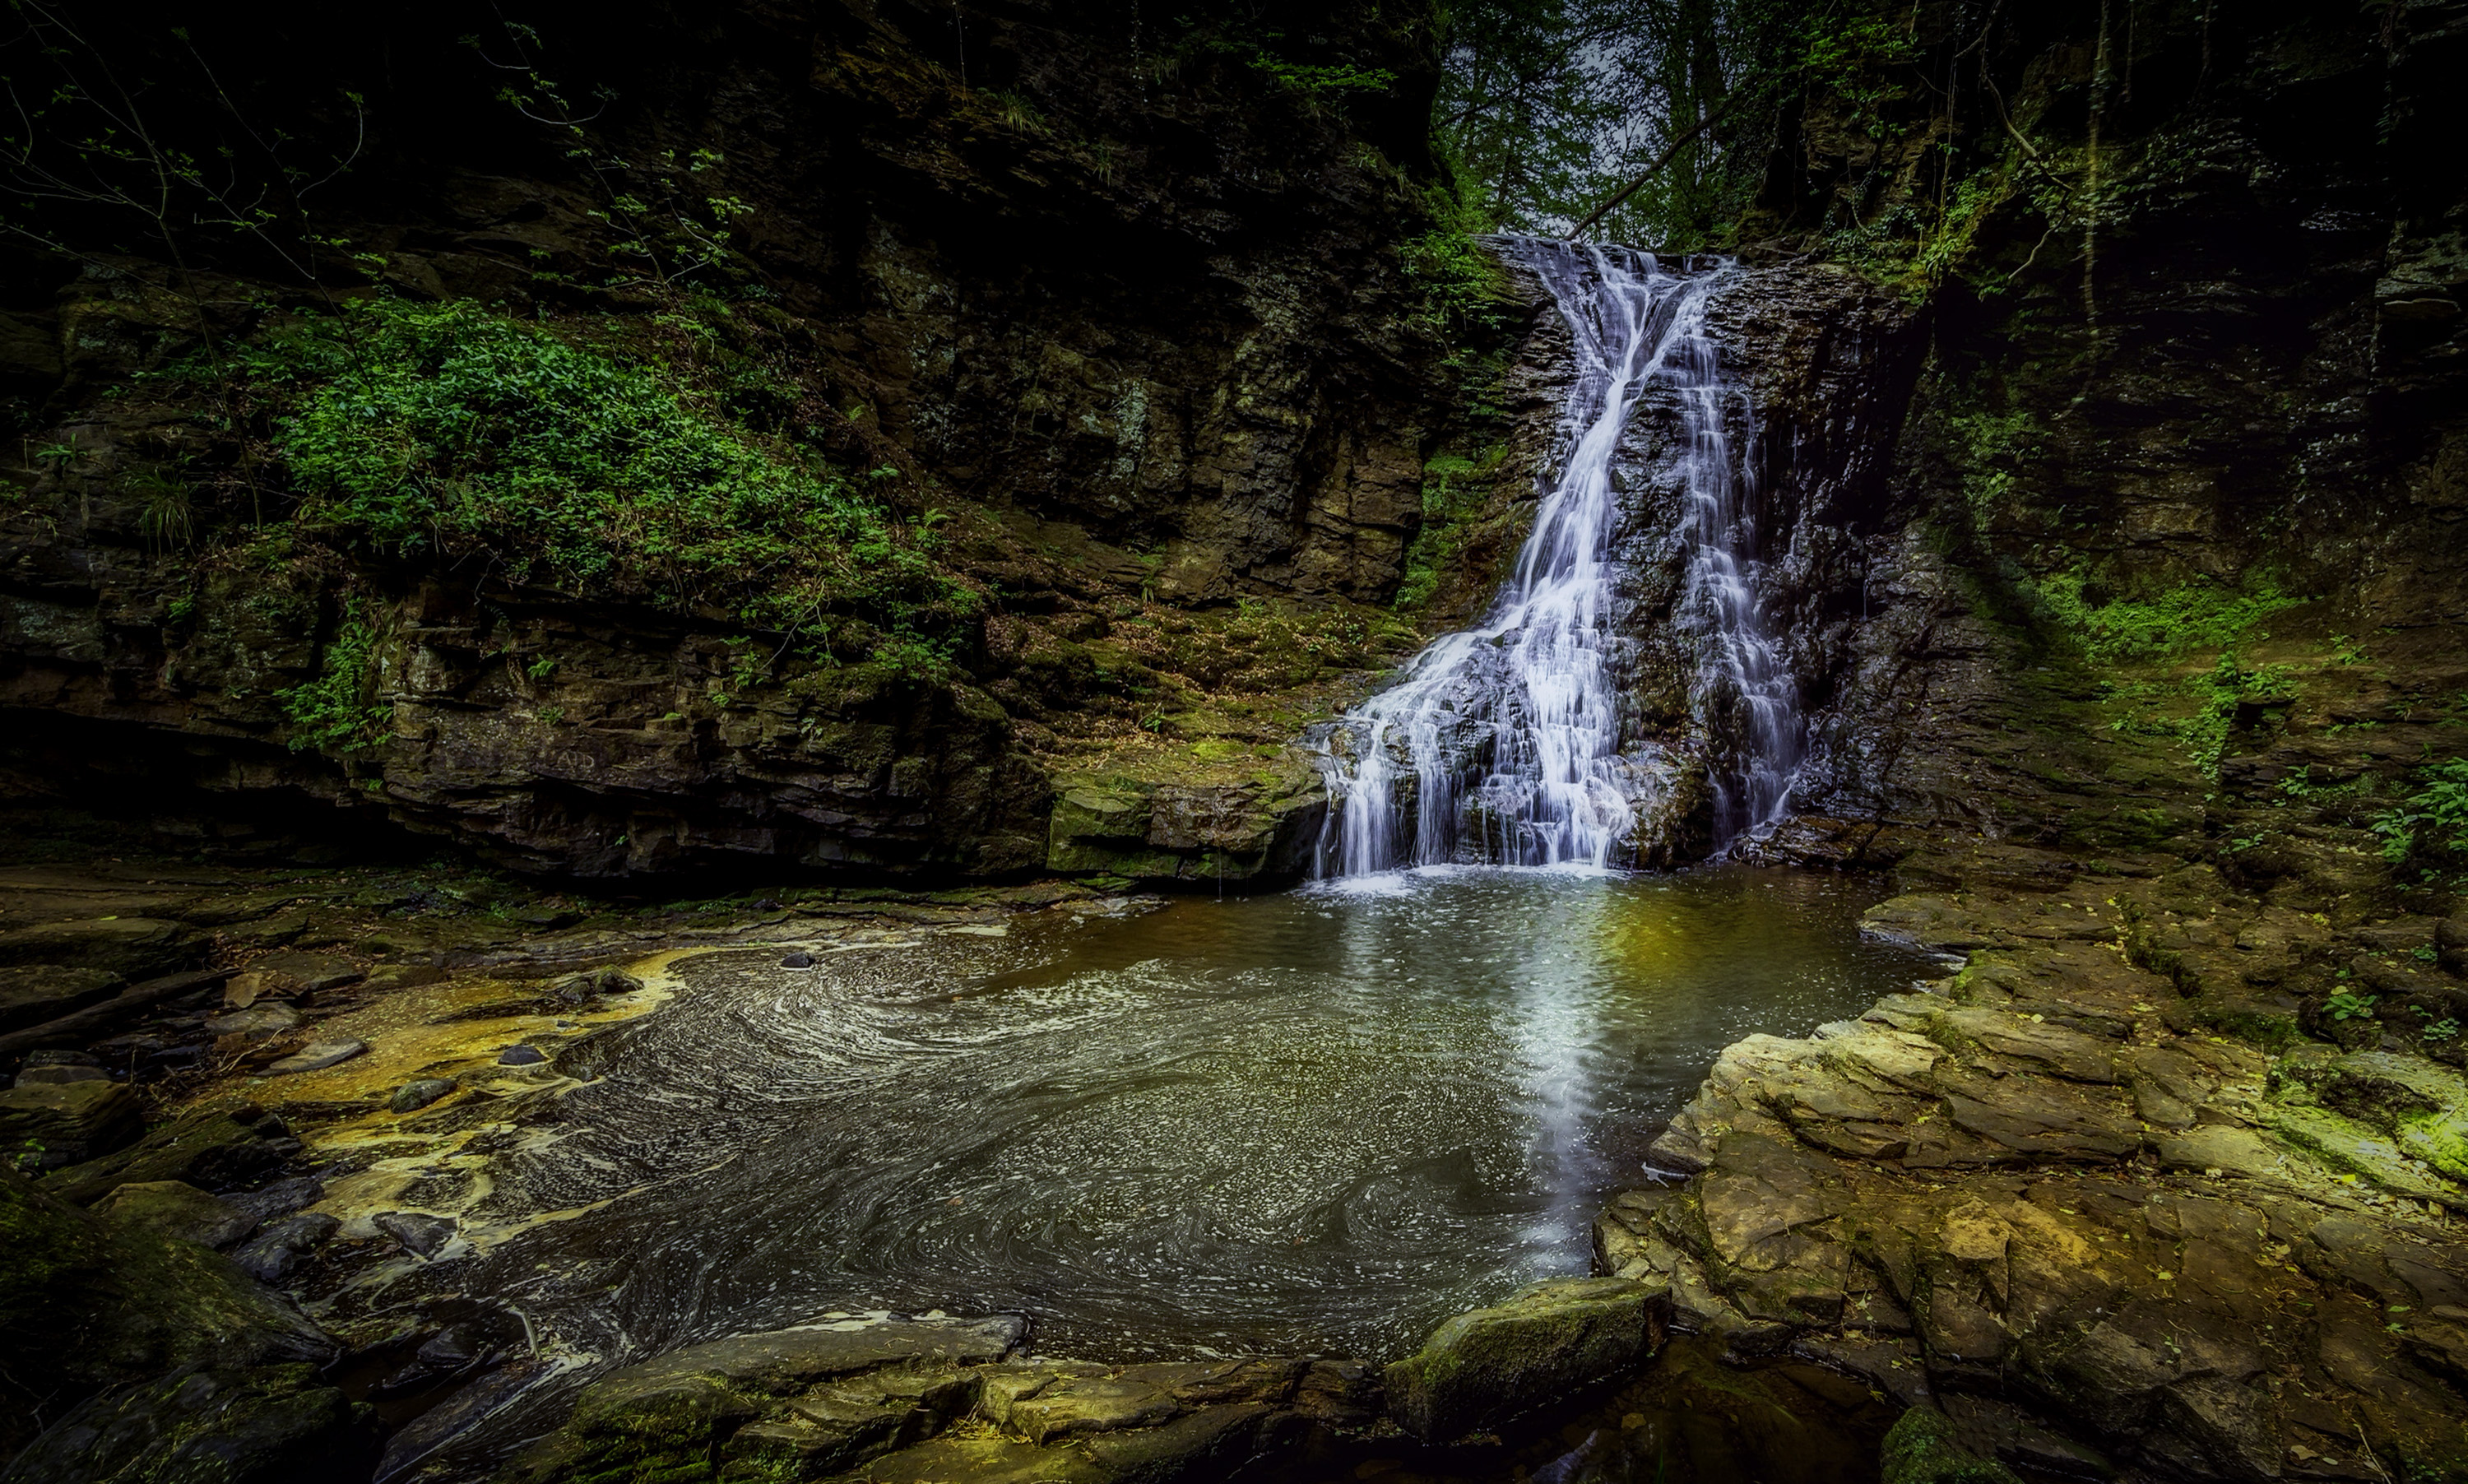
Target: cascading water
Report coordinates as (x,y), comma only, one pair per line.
(1502,742)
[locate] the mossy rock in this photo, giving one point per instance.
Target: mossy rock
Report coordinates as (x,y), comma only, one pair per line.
(266,1424)
(87,1303)
(1484,1369)
(1922,1449)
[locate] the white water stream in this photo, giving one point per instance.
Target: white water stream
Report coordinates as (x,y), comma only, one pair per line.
(1502,742)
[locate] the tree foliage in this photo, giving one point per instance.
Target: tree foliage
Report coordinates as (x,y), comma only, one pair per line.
(1553,105)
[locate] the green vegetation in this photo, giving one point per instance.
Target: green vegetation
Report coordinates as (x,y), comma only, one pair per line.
(1455,491)
(451,430)
(2431,826)
(1921,1448)
(333,711)
(2179,621)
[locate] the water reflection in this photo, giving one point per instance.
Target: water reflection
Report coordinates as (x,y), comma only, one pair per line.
(1316,1122)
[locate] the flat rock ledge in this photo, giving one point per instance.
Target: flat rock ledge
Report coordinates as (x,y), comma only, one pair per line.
(936,1399)
(2086,1201)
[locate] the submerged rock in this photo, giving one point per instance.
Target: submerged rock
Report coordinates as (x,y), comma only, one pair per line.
(414,1095)
(521,1056)
(181,1210)
(1486,1368)
(418,1231)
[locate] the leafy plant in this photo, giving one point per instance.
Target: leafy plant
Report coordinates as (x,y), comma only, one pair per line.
(2346,1006)
(333,710)
(2434,820)
(166,518)
(453,430)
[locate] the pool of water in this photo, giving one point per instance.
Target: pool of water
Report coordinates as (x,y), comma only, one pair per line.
(1314,1122)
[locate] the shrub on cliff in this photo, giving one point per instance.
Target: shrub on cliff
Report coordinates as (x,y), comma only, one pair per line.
(452,430)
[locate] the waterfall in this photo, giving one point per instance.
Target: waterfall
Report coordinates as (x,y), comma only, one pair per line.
(1502,742)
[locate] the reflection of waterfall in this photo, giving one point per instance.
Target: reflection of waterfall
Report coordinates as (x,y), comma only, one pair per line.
(1502,742)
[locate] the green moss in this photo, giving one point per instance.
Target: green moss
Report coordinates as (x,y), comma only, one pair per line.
(1921,1448)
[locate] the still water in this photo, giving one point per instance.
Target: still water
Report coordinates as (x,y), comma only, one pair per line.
(1314,1122)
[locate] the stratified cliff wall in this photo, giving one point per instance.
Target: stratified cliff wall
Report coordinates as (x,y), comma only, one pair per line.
(1109,304)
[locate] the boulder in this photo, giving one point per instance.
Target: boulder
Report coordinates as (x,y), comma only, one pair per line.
(177,1209)
(87,1304)
(1483,1369)
(209,1151)
(49,1125)
(32,994)
(835,1394)
(269,1424)
(273,1252)
(521,1056)
(1922,1449)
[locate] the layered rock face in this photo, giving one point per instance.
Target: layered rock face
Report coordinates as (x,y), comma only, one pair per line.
(1121,306)
(2161,1182)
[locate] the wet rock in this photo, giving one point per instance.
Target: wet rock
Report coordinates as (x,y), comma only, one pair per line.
(1485,1368)
(256,1022)
(419,1092)
(177,1209)
(268,1425)
(280,1198)
(40,1076)
(272,1253)
(317,1056)
(133,947)
(306,973)
(798,960)
(209,1151)
(51,1125)
(574,990)
(420,1233)
(521,1056)
(87,1303)
(1923,1448)
(824,1397)
(32,994)
(465,1407)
